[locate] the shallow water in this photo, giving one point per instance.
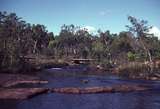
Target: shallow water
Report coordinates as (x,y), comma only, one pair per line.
(71,77)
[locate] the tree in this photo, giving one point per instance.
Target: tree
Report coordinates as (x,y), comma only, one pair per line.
(40,37)
(98,49)
(140,29)
(17,38)
(11,32)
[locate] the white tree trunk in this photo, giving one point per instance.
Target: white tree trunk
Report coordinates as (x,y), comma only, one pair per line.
(35,47)
(149,55)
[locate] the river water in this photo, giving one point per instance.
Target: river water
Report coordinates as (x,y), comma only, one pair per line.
(72,77)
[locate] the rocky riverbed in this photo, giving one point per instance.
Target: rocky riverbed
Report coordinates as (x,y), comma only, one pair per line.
(71,87)
(8,81)
(25,93)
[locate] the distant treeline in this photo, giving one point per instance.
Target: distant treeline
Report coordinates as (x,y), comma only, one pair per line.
(19,39)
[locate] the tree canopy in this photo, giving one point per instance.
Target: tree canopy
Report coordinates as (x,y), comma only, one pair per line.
(19,39)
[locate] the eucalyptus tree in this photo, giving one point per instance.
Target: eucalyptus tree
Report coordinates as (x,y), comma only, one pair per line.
(66,39)
(140,28)
(11,33)
(98,49)
(83,42)
(39,37)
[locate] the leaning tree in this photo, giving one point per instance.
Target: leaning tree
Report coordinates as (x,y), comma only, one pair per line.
(140,28)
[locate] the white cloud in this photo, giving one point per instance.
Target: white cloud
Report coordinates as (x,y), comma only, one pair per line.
(156,31)
(103,13)
(90,29)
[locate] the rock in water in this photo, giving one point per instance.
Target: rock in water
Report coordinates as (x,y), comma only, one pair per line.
(85,81)
(21,93)
(111,89)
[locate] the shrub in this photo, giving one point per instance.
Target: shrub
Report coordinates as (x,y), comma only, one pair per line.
(134,69)
(131,56)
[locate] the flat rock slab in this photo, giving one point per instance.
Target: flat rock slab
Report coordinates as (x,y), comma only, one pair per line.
(16,82)
(9,80)
(90,90)
(21,93)
(25,93)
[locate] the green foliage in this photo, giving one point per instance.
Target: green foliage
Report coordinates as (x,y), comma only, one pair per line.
(19,39)
(85,53)
(98,50)
(97,46)
(131,56)
(140,29)
(134,70)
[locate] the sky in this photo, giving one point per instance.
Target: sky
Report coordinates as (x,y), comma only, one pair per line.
(91,14)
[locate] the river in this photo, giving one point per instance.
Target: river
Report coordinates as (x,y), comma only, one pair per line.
(73,77)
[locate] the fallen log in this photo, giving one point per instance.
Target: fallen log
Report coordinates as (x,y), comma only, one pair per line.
(21,93)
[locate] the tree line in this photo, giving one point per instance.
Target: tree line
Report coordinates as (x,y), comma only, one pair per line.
(19,39)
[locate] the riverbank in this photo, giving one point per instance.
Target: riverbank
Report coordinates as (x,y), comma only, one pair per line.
(138,70)
(33,63)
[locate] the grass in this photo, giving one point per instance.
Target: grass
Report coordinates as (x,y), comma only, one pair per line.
(134,70)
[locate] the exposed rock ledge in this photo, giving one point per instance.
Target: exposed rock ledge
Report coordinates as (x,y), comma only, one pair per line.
(9,80)
(90,90)
(25,93)
(21,93)
(10,84)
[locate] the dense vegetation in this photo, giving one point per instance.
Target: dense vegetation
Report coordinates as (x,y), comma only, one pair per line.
(19,39)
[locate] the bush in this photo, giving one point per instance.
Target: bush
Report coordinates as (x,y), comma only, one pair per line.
(134,69)
(131,56)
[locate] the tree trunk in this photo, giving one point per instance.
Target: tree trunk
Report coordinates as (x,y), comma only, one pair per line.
(5,53)
(11,61)
(150,56)
(4,46)
(35,47)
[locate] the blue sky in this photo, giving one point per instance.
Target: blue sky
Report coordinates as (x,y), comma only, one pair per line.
(105,14)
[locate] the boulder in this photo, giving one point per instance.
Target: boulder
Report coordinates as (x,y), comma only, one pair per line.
(85,81)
